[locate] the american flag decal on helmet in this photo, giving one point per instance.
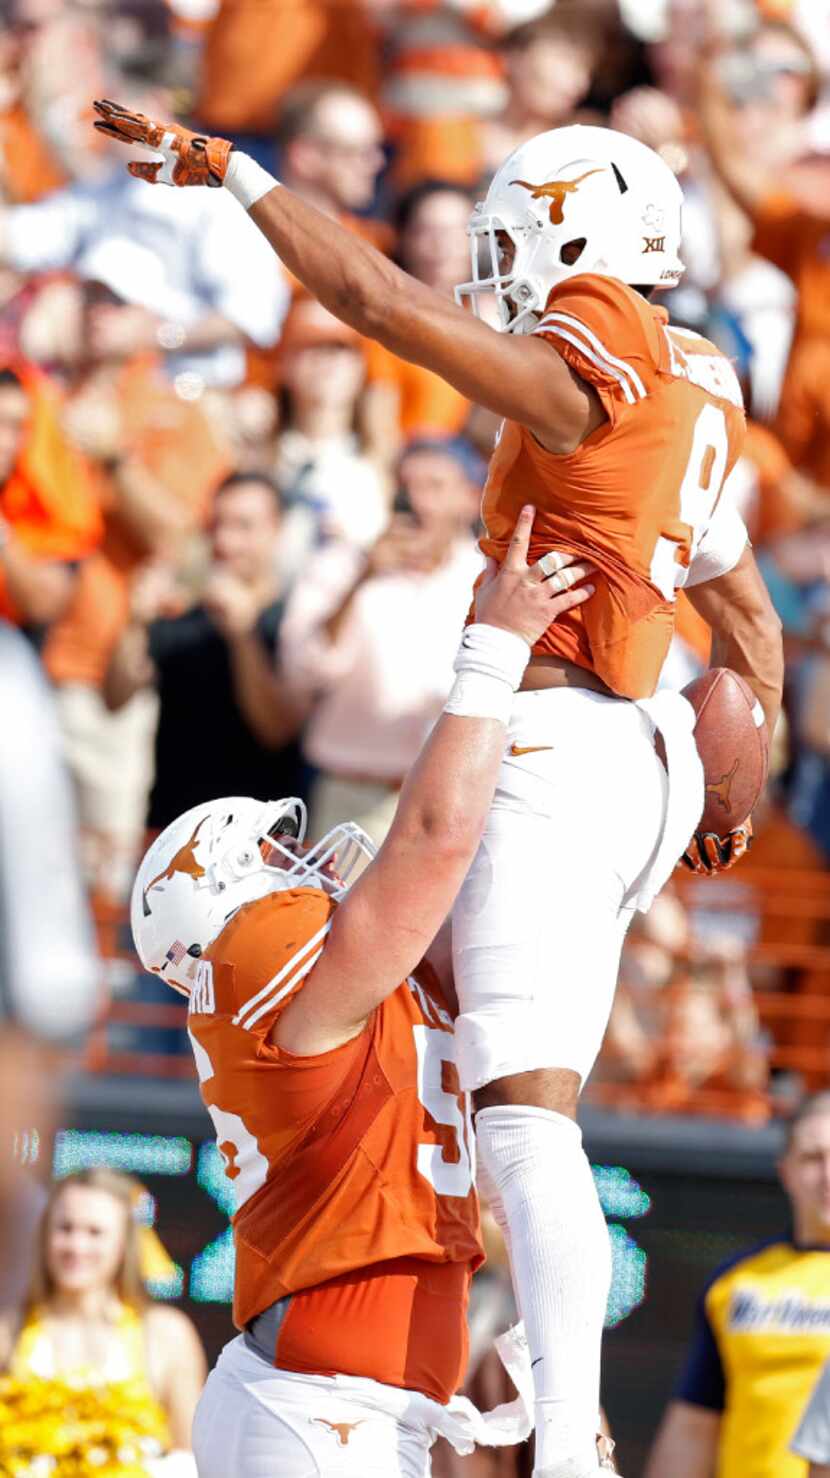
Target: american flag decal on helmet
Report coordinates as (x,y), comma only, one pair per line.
(176,952)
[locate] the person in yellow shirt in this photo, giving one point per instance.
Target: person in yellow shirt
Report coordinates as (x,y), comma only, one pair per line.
(134,1367)
(762,1335)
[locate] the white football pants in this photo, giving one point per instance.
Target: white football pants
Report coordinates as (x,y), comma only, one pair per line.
(540,920)
(253,1421)
(584,827)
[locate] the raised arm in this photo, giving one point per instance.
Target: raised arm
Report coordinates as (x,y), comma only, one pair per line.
(393,913)
(517,377)
(747,177)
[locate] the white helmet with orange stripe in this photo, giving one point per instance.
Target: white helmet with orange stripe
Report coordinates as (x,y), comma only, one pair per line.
(217,857)
(573,200)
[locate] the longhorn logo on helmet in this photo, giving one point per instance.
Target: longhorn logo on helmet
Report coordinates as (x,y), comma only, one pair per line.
(555,192)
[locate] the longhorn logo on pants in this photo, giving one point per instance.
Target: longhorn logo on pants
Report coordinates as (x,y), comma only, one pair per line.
(341,1430)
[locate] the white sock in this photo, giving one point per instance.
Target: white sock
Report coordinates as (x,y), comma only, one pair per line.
(491,1196)
(561,1260)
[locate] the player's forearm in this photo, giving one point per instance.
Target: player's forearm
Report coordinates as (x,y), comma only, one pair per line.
(449,790)
(754,650)
(746,631)
(447,795)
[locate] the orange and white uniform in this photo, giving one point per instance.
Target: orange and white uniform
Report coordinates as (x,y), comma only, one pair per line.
(638,497)
(585,825)
(356,1229)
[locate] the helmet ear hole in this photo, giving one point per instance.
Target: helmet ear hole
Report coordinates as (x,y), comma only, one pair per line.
(571,251)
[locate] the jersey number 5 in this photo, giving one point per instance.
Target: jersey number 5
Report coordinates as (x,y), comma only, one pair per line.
(447,1177)
(699,492)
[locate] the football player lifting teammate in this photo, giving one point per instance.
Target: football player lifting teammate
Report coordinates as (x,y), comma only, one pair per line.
(621,430)
(321,1025)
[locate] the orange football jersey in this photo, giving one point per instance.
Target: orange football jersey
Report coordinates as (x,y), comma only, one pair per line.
(351,1168)
(637,496)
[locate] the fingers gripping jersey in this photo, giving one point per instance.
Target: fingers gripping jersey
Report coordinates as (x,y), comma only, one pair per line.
(638,496)
(351,1168)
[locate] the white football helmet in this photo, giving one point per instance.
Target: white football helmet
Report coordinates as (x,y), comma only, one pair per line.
(593,188)
(212,860)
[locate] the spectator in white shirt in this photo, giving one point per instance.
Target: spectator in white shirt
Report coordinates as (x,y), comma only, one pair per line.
(199,282)
(331,484)
(373,636)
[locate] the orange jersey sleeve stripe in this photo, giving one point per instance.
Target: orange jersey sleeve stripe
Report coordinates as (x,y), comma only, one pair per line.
(582,338)
(296,970)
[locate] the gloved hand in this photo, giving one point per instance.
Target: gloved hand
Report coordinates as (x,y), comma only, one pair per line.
(708,854)
(188,158)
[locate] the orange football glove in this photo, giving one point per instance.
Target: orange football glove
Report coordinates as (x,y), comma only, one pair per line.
(708,854)
(189,158)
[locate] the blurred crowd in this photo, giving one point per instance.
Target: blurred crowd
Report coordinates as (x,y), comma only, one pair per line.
(241,540)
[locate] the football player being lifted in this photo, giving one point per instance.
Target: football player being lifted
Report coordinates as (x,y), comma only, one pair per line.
(321,1024)
(621,430)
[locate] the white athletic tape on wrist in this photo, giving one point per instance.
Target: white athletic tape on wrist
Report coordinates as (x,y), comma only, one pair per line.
(489,667)
(247,180)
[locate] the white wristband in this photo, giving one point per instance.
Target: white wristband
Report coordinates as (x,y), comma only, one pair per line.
(247,180)
(489,667)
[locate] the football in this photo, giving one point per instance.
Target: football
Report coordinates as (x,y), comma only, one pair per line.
(731,738)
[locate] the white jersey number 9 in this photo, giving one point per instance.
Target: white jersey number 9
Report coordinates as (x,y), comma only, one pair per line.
(447,1177)
(699,492)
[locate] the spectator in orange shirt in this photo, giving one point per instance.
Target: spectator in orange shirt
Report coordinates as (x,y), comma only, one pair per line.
(256,50)
(49,519)
(27,167)
(156,457)
(788,203)
(405,400)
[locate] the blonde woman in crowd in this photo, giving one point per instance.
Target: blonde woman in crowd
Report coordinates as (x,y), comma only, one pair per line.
(87,1326)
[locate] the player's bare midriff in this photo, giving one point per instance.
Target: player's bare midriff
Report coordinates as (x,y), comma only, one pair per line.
(557,672)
